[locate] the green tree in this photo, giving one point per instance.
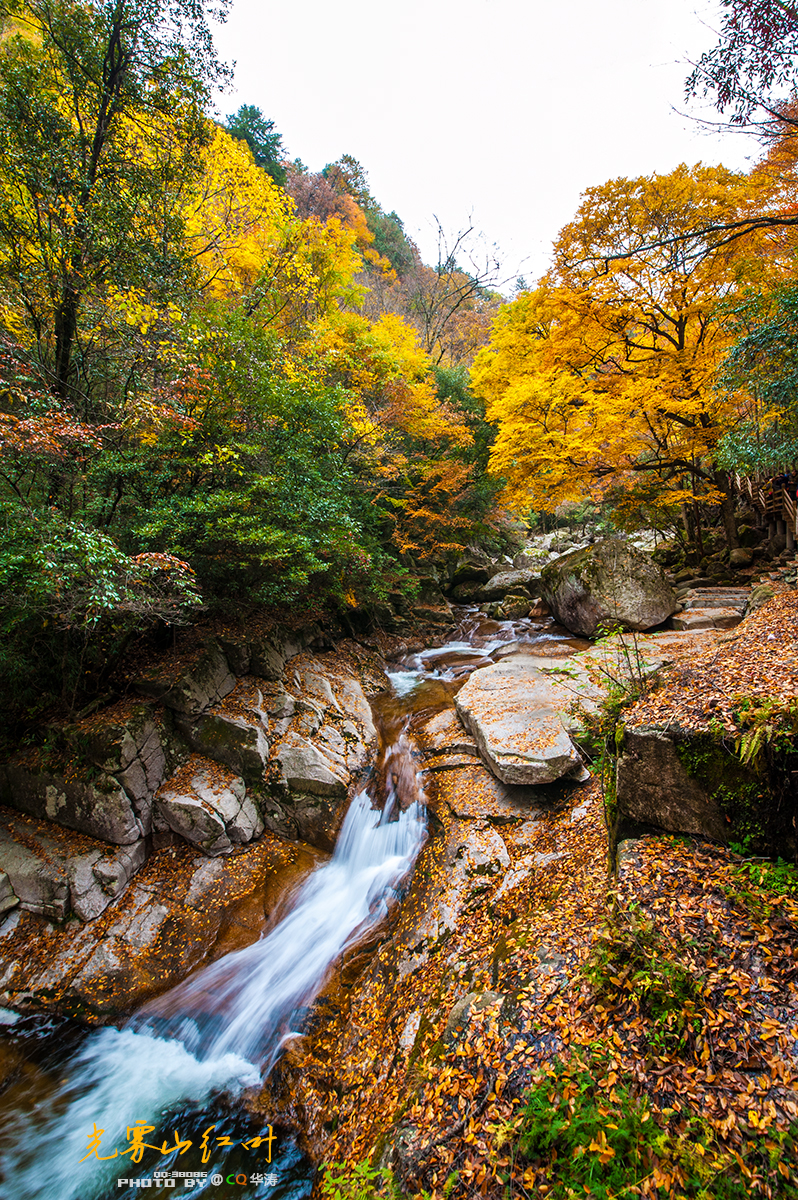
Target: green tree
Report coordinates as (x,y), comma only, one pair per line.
(391,241)
(249,125)
(101,117)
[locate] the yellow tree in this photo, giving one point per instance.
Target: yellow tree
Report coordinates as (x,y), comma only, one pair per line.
(101,110)
(604,377)
(252,249)
(409,448)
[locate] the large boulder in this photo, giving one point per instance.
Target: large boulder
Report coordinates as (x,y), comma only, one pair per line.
(655,787)
(513,711)
(607,585)
(306,769)
(101,809)
(209,807)
(515,582)
(688,781)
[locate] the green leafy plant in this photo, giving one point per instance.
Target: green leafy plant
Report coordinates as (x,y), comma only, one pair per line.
(768,722)
(630,957)
(360,1182)
(585,1132)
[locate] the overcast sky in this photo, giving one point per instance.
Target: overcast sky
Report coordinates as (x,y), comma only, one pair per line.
(504,109)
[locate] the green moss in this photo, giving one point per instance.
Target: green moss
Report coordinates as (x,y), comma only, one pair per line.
(737,789)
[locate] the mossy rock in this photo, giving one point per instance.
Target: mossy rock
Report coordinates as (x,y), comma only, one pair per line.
(608,585)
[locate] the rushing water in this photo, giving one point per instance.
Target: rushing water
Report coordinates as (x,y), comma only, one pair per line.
(176,1067)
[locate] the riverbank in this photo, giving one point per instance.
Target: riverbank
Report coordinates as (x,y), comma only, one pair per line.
(567,1021)
(516,983)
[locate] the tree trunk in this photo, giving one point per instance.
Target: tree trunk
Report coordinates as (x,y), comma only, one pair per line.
(723,483)
(66,324)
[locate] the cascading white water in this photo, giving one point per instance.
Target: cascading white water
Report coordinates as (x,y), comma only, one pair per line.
(220,1028)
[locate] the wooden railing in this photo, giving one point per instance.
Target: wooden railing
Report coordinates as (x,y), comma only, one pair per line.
(774,501)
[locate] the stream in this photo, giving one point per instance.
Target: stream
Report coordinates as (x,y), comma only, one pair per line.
(168,1080)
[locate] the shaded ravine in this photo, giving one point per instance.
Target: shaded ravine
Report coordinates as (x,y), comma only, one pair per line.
(177,1066)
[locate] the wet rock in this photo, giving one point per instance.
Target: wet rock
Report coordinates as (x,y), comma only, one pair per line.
(172,916)
(539,609)
(513,712)
(605,585)
(515,608)
(433,616)
(445,734)
(209,808)
(475,859)
(319,749)
(312,819)
(741,556)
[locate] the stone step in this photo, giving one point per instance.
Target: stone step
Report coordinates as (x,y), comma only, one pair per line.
(706,618)
(733,601)
(723,590)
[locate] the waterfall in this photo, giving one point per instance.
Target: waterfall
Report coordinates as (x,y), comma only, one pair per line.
(218,1030)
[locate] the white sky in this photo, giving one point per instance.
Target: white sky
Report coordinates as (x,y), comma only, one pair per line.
(504,109)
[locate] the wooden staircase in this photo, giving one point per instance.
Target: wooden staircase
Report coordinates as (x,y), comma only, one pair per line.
(774,501)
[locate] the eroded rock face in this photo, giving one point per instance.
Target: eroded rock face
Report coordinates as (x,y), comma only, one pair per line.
(513,712)
(654,787)
(56,877)
(234,740)
(209,807)
(101,809)
(180,909)
(322,743)
(129,747)
(205,683)
(606,585)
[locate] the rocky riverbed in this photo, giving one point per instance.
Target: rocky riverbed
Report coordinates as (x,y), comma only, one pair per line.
(432,1029)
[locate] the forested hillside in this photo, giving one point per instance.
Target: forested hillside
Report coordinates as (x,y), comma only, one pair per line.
(399,747)
(226,380)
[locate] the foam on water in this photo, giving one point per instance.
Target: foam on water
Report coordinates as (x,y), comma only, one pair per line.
(217,1030)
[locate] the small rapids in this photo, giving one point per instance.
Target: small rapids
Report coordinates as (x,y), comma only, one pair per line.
(217,1031)
(177,1066)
